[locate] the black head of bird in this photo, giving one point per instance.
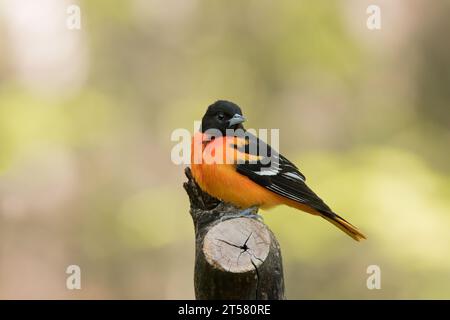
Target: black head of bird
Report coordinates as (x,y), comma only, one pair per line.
(223,115)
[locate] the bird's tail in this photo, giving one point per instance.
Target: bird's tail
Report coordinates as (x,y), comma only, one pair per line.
(332,217)
(342,224)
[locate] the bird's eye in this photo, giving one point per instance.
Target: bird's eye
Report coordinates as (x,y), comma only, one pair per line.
(220,116)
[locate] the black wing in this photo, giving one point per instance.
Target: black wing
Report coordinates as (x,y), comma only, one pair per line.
(276,173)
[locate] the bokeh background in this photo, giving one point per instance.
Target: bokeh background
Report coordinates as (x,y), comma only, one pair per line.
(86,117)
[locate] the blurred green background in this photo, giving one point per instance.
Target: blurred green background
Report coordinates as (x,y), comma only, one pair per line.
(86,116)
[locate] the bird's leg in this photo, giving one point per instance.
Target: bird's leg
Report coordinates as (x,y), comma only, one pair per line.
(251,213)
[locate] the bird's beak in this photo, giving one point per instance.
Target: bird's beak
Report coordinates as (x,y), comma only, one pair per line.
(237,118)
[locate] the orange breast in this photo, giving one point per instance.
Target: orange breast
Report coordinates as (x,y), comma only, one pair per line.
(222,181)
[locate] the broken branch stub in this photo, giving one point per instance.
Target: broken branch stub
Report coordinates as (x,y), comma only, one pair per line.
(236,257)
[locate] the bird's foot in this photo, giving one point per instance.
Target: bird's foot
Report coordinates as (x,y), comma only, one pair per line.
(251,213)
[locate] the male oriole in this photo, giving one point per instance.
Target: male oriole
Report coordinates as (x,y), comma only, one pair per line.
(257,175)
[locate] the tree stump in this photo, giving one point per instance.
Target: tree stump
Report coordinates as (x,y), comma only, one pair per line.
(235,257)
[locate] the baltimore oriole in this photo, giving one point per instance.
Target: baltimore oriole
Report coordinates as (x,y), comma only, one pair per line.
(256,175)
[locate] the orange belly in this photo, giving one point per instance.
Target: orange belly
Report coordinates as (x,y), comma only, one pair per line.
(223,182)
